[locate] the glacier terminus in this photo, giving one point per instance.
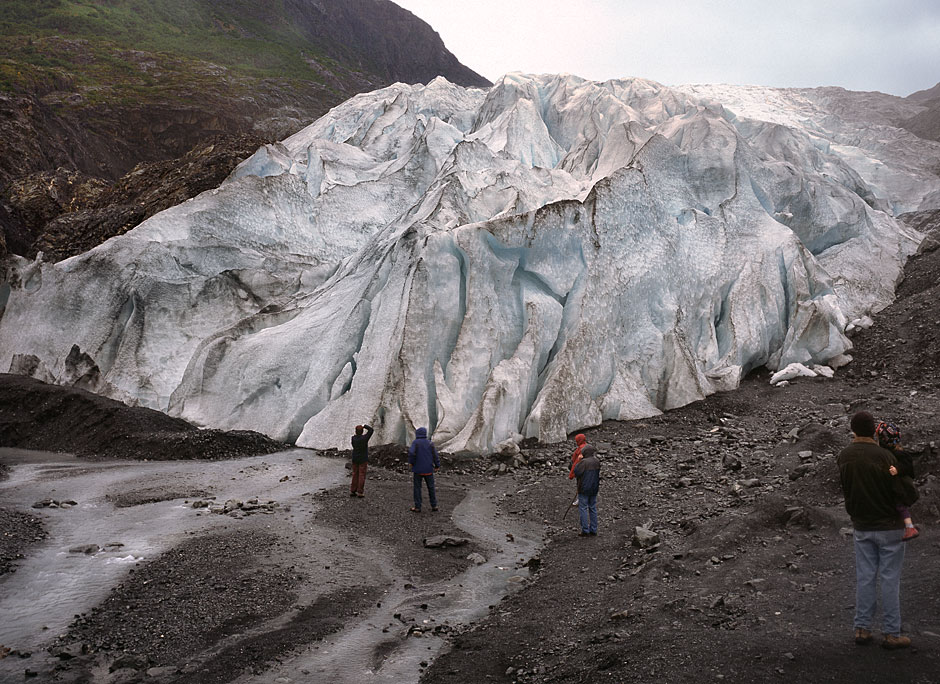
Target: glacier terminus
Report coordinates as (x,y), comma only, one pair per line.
(494,264)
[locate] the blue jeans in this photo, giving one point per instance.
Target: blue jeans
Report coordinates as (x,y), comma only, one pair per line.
(878,554)
(587,509)
(417,487)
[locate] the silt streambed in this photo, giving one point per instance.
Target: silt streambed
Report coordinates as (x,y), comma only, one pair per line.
(129,512)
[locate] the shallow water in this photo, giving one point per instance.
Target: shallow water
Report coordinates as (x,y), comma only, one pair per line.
(362,652)
(52,585)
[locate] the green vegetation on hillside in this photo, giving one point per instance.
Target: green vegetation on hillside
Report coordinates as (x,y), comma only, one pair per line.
(259,42)
(140,51)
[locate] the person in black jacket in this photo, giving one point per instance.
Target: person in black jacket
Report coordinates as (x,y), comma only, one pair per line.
(871,496)
(360,460)
(588,472)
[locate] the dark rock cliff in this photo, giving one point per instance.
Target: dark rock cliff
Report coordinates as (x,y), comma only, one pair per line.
(381,37)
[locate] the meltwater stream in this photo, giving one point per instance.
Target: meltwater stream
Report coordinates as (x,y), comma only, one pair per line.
(372,650)
(53,584)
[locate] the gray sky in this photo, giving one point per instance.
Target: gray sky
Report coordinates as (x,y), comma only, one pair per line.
(887,45)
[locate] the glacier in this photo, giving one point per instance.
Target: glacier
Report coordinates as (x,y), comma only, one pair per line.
(520,261)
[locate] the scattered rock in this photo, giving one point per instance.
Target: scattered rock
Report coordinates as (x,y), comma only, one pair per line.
(644,538)
(69,651)
(129,662)
(53,503)
(443,540)
(800,471)
(87,549)
(506,450)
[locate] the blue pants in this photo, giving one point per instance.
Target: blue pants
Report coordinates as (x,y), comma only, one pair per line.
(417,487)
(587,509)
(878,555)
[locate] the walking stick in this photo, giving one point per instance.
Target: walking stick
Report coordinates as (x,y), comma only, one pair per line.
(568,508)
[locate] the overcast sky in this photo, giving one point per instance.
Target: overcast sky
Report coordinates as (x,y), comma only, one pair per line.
(887,45)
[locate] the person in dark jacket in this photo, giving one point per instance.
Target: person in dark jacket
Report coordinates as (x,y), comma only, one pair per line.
(871,496)
(588,472)
(424,460)
(360,460)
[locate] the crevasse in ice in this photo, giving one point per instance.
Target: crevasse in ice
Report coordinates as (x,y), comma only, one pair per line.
(524,260)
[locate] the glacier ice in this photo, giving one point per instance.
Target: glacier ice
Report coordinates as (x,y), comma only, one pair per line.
(524,260)
(798,370)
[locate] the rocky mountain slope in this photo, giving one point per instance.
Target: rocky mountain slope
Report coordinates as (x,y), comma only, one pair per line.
(528,259)
(926,123)
(98,88)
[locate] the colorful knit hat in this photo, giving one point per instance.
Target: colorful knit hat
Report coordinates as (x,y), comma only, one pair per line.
(888,434)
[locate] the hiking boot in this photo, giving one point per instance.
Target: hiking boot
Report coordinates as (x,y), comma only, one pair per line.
(892,642)
(352,493)
(910,533)
(862,636)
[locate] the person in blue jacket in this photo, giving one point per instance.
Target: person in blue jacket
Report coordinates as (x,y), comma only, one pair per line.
(424,460)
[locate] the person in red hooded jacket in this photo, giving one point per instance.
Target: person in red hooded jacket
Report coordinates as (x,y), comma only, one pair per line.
(580,440)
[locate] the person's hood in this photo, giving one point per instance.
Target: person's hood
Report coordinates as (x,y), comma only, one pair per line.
(580,439)
(421,433)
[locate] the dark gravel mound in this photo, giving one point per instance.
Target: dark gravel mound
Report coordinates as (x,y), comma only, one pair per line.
(905,340)
(35,415)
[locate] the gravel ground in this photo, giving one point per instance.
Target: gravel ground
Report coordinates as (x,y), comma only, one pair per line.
(384,518)
(213,608)
(18,531)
